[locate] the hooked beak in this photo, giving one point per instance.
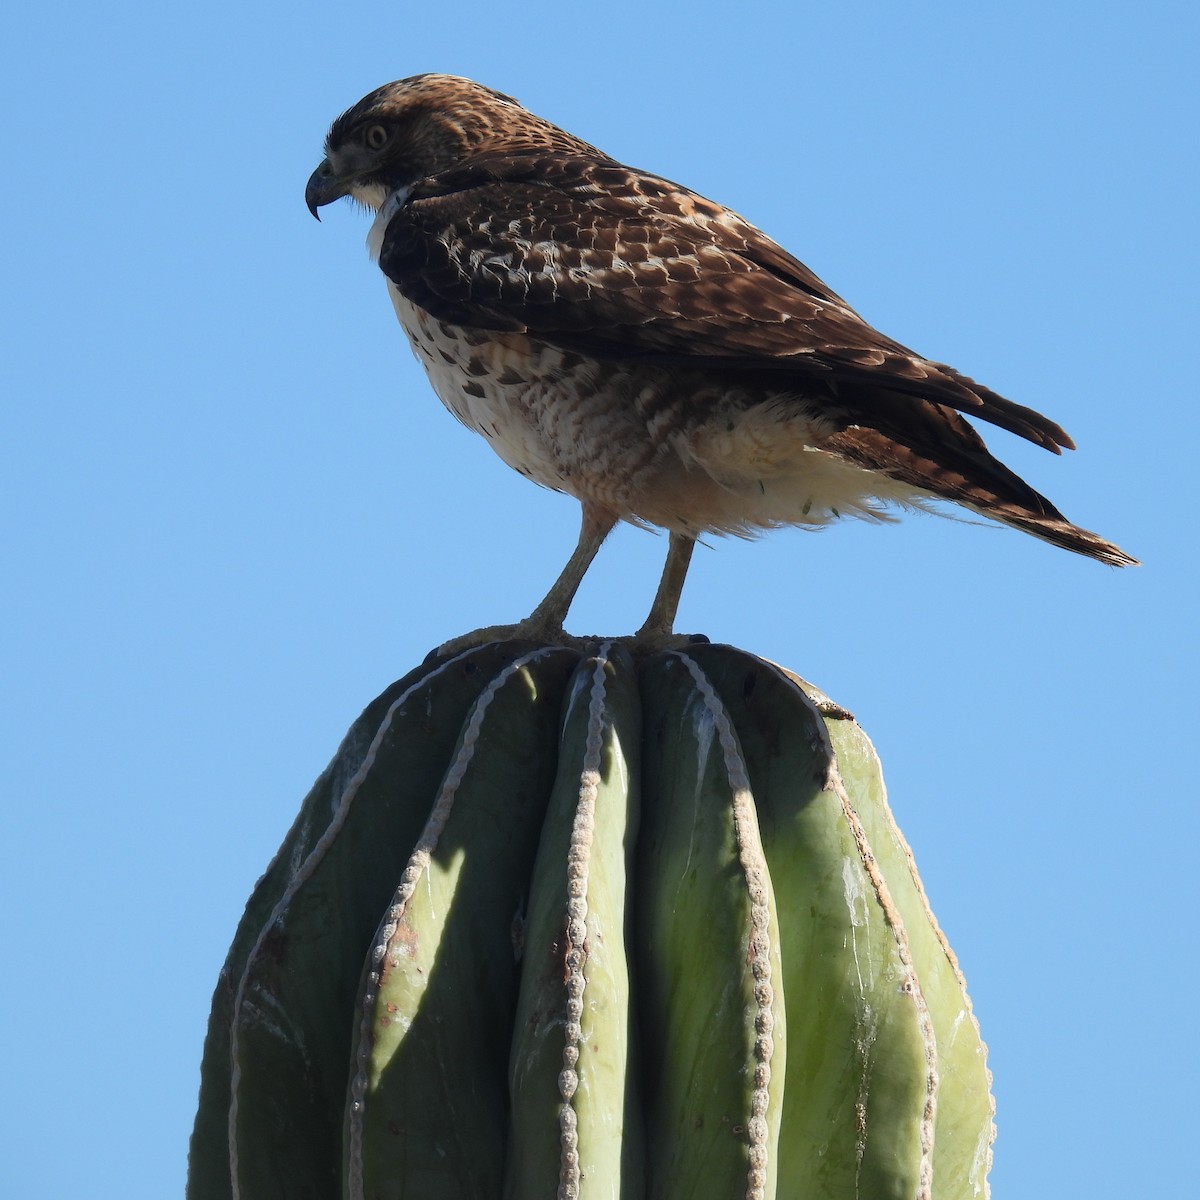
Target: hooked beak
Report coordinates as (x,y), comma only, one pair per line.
(324,187)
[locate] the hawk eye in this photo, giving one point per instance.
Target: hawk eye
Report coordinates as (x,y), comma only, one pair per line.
(375,137)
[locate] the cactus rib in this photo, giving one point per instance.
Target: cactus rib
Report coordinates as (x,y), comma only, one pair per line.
(713,1016)
(575,1116)
(758,887)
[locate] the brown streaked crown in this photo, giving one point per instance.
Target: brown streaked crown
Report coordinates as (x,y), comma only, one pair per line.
(416,127)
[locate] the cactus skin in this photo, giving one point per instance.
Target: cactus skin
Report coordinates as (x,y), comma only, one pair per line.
(730,986)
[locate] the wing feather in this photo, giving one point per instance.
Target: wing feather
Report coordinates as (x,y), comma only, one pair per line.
(612,262)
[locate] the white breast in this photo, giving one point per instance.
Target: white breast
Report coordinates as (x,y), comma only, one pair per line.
(465,371)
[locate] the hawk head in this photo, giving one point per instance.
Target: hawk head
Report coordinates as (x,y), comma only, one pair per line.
(406,131)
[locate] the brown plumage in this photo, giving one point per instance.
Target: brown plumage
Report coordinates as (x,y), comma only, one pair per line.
(620,338)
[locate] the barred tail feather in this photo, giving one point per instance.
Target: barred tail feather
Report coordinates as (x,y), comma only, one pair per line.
(1060,532)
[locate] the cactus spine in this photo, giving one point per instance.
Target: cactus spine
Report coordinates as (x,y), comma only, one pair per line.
(566,926)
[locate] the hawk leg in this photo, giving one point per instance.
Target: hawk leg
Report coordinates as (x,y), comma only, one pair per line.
(545,623)
(547,619)
(660,623)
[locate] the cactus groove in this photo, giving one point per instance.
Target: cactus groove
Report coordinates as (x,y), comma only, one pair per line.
(570,926)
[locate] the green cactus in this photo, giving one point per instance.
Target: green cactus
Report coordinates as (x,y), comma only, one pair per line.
(556,924)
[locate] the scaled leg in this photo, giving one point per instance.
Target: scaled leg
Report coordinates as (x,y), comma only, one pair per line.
(661,621)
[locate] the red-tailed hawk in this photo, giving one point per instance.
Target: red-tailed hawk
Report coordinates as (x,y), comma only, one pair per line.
(617,337)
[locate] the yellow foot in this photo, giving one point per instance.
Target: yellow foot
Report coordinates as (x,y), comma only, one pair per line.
(523,631)
(651,641)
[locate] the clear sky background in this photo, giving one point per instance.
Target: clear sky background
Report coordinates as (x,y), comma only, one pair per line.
(234,510)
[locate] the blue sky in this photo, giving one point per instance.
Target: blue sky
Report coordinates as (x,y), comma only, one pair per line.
(234,510)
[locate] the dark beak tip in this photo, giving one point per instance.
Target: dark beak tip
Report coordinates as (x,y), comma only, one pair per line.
(322,188)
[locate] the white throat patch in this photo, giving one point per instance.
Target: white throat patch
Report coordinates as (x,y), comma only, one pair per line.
(390,207)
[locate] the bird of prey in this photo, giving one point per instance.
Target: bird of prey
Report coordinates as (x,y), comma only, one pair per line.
(618,337)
